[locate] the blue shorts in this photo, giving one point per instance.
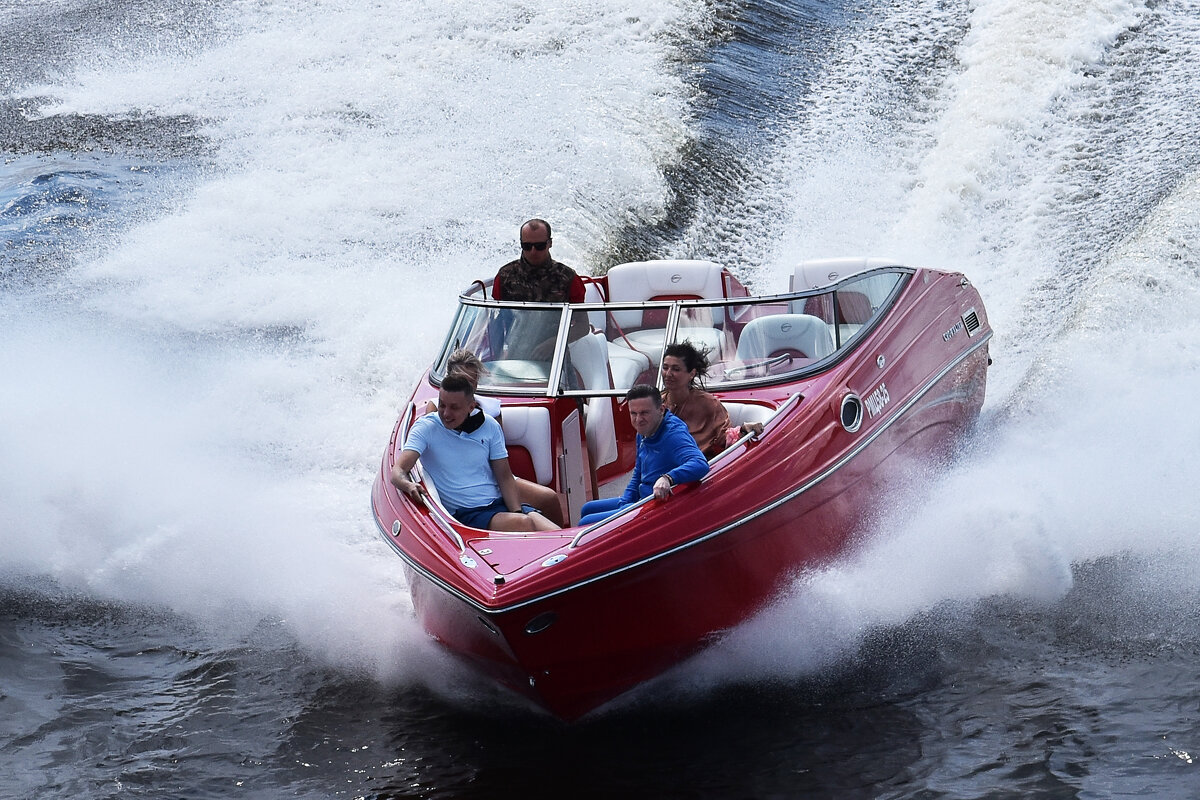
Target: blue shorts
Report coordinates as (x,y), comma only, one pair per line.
(481,517)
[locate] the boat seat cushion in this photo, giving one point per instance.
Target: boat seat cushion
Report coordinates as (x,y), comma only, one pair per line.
(641,281)
(741,413)
(626,365)
(855,307)
(638,281)
(797,334)
(651,342)
(589,357)
(820,272)
(527,437)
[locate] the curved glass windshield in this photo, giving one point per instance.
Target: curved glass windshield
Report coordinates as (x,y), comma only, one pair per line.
(516,344)
(763,340)
(604,349)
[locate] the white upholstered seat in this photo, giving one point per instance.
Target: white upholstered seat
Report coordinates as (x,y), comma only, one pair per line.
(639,281)
(590,357)
(797,334)
(528,427)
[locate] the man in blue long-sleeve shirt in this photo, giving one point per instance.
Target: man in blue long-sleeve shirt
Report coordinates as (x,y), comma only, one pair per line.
(666,455)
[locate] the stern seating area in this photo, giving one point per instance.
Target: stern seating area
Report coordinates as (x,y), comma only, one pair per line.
(639,281)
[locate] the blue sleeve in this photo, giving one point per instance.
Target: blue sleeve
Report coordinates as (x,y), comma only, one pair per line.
(632,493)
(692,464)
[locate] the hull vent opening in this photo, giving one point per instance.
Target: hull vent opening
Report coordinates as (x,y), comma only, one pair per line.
(851,413)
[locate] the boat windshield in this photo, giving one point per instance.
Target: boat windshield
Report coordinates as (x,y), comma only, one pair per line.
(542,349)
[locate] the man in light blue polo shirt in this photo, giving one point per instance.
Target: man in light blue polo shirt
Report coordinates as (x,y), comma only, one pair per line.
(465,457)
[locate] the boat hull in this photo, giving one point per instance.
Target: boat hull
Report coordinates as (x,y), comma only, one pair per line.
(629,599)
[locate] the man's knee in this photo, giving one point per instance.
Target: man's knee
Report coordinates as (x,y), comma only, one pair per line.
(508,521)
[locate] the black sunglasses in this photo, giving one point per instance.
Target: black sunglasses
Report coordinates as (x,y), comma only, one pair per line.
(527,246)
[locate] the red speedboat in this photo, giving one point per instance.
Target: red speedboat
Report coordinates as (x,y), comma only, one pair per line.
(863,367)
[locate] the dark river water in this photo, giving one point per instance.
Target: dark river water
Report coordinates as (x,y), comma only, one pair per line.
(230,238)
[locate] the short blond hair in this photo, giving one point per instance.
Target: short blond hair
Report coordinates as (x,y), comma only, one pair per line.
(463,360)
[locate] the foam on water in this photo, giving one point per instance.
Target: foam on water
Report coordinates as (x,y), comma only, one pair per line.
(143,473)
(1082,452)
(199,409)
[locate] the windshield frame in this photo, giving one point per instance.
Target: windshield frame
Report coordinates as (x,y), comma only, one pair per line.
(473,301)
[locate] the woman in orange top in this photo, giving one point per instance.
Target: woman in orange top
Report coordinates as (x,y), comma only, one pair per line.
(683,368)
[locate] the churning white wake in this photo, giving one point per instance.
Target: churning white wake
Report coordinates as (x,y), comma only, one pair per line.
(1084,449)
(194,416)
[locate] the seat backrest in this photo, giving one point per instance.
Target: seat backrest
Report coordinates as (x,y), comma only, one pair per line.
(820,305)
(662,280)
(626,365)
(601,431)
(741,413)
(854,310)
(527,437)
(589,357)
(815,273)
(797,334)
(855,307)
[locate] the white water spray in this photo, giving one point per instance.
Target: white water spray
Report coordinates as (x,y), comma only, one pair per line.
(197,424)
(1082,453)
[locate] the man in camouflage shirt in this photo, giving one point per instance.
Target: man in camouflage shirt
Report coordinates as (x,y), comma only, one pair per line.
(535,276)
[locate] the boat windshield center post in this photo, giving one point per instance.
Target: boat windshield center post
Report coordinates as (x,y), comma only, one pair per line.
(559,358)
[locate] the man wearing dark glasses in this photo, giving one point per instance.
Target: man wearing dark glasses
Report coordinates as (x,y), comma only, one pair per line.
(535,276)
